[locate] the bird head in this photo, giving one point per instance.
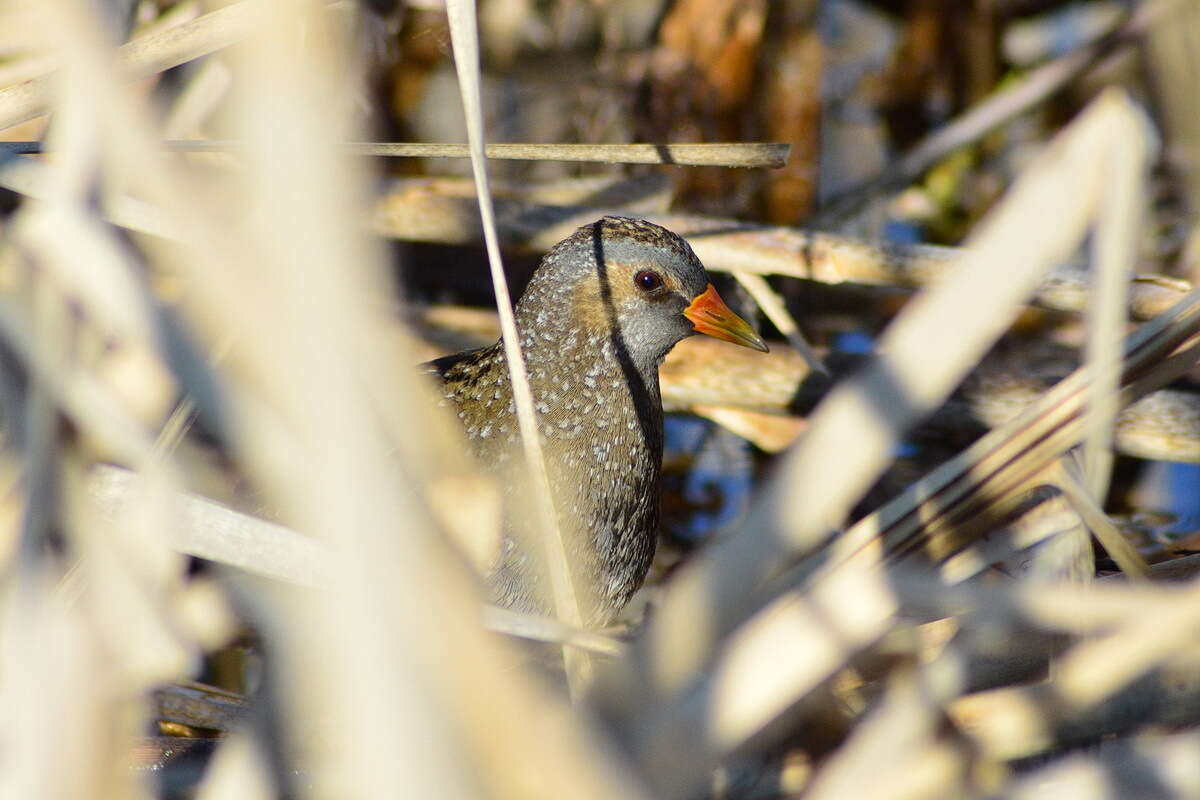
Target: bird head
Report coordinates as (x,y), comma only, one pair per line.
(635,280)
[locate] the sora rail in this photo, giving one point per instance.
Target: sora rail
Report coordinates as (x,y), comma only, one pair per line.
(601,311)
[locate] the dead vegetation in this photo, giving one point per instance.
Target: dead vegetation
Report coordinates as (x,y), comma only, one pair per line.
(219,462)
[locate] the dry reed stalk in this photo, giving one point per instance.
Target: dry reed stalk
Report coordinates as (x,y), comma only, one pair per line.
(1069,477)
(1170,52)
(773,307)
(202,95)
(124,587)
(711,154)
(200,706)
(1118,223)
(565,595)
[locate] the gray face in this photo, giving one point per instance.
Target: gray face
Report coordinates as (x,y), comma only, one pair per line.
(618,275)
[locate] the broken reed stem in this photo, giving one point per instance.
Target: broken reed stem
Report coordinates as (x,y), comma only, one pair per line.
(773,306)
(771,155)
(1066,475)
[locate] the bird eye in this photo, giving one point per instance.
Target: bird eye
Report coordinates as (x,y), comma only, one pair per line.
(647,281)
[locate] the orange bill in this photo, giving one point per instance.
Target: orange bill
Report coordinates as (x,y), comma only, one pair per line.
(709,314)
